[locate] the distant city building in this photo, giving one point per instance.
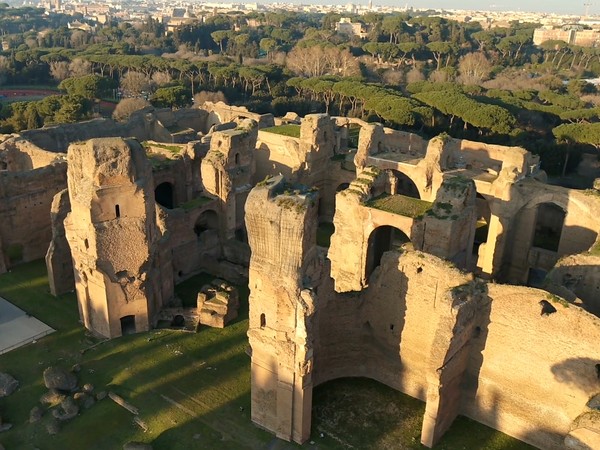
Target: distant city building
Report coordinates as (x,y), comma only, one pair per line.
(349,28)
(571,34)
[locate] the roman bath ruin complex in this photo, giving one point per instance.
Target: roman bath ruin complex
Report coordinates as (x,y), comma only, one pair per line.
(452,272)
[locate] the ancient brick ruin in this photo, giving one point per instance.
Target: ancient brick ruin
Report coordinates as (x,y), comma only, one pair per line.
(406,293)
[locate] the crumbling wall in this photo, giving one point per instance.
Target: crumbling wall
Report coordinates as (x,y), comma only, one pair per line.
(577,278)
(403,142)
(492,157)
(221,113)
(532,372)
(21,155)
(26,199)
(59,262)
(57,138)
(579,232)
(276,154)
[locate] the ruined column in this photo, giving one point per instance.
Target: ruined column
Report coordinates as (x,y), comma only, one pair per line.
(281,221)
(227,171)
(113,235)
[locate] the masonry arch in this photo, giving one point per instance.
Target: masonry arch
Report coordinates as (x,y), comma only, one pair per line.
(213,119)
(484,215)
(127,325)
(382,239)
(548,228)
(342,187)
(208,220)
(164,194)
(400,183)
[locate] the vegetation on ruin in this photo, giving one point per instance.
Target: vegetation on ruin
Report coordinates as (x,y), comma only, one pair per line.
(400,204)
(290,130)
(556,299)
(173,149)
(192,390)
(595,250)
(196,202)
(159,161)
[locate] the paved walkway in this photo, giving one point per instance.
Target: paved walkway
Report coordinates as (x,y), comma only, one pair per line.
(17,328)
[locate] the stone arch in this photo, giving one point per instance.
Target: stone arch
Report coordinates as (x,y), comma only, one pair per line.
(382,239)
(548,228)
(400,183)
(213,119)
(540,235)
(342,186)
(208,220)
(128,325)
(164,194)
(484,215)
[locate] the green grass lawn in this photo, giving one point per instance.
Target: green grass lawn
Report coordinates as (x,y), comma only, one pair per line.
(400,204)
(290,130)
(192,390)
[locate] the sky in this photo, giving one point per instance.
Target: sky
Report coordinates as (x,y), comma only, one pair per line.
(557,6)
(552,6)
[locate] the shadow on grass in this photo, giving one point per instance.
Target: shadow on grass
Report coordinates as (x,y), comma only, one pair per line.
(364,414)
(192,390)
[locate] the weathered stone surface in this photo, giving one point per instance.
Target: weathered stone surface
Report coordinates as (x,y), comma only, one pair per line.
(52,397)
(7,384)
(57,378)
(218,304)
(422,326)
(69,406)
(35,415)
(58,258)
(583,439)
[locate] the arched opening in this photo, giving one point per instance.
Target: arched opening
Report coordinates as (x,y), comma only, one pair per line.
(549,222)
(381,240)
(399,183)
(263,320)
(237,159)
(127,325)
(163,194)
(482,225)
(117,211)
(324,232)
(208,220)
